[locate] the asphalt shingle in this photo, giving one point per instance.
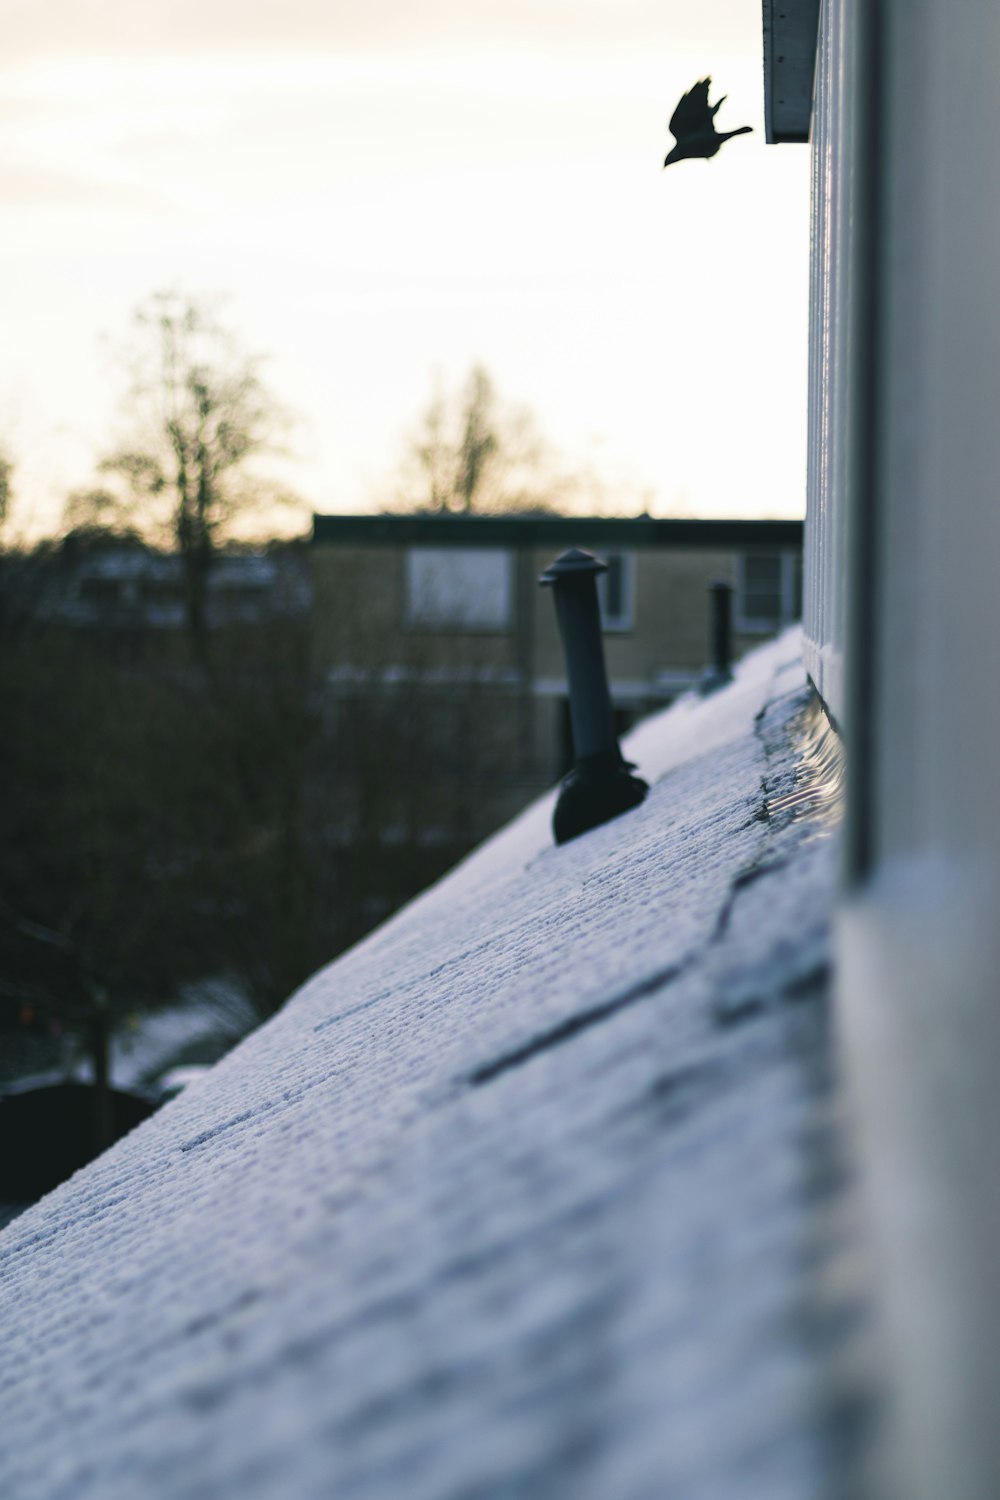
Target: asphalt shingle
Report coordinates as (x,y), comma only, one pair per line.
(533,1193)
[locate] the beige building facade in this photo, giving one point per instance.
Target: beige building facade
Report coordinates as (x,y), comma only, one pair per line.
(450,607)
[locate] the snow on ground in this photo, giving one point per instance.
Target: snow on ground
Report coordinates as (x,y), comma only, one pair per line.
(209,1018)
(536,1192)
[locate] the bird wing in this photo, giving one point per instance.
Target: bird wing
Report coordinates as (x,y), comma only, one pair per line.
(692,116)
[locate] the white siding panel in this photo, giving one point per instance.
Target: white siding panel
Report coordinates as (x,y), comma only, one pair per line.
(834,352)
(920,956)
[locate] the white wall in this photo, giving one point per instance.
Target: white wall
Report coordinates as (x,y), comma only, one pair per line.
(832,139)
(920,954)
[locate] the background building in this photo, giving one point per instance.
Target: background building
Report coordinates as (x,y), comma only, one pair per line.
(447,611)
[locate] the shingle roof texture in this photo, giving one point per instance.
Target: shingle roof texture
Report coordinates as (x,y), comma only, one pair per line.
(533,1193)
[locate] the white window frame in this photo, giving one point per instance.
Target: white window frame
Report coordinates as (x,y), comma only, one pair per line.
(624,619)
(749,625)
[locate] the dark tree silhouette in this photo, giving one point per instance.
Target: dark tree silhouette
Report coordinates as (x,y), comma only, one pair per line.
(692,125)
(474,455)
(6,485)
(199,413)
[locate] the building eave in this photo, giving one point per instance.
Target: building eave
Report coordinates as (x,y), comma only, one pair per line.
(790,32)
(555,531)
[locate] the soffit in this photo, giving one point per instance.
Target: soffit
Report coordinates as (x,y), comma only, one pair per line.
(790,30)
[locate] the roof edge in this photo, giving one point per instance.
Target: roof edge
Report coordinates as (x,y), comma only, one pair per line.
(791,28)
(555,531)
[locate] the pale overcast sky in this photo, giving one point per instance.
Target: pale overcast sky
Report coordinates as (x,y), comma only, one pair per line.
(388,192)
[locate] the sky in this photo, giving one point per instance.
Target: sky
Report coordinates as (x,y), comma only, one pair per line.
(384,194)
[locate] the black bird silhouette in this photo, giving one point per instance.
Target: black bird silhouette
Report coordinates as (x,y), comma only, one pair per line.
(692,125)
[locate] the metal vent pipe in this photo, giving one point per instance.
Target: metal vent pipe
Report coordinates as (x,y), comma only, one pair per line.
(600,785)
(721,671)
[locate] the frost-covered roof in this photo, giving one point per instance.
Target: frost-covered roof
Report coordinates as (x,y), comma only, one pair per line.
(529,1194)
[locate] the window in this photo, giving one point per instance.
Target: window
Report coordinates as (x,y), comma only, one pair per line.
(459,588)
(616,591)
(769,591)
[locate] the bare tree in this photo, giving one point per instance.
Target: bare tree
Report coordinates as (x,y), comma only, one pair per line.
(473,454)
(480,443)
(198,413)
(6,485)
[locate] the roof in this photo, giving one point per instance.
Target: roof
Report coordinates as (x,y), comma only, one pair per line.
(531,1193)
(127,582)
(556,531)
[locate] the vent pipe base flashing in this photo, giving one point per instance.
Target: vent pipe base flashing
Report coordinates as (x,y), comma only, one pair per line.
(598,788)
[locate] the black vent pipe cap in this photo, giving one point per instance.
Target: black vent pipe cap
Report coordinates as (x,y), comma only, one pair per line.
(572,564)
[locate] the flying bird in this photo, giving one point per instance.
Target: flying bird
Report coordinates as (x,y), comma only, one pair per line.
(692,125)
